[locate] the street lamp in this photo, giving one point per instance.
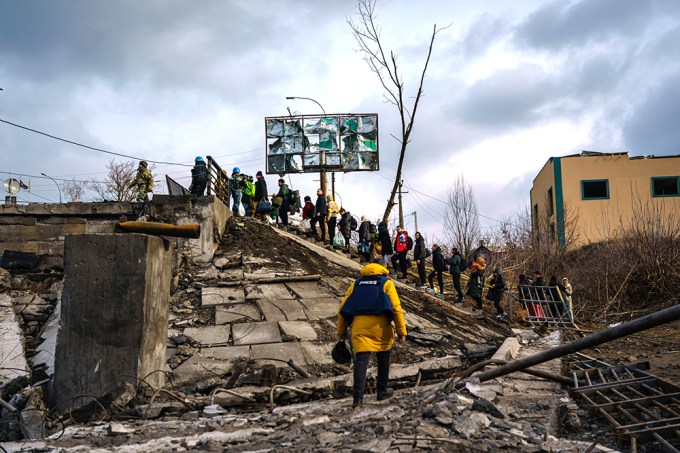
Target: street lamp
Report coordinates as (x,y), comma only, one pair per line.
(58,188)
(322,173)
(309,99)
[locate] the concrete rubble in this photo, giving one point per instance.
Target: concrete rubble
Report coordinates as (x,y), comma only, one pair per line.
(238,328)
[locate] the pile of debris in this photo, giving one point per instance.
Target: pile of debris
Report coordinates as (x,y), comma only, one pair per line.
(249,368)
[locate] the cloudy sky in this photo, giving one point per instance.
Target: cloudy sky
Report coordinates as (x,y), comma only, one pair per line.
(509,85)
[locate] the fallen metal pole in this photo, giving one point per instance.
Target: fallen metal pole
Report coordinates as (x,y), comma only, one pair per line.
(534,372)
(192,231)
(646,322)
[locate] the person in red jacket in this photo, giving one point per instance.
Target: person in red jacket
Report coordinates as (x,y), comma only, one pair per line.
(308,209)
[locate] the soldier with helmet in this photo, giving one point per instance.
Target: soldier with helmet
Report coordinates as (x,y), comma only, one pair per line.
(143,181)
(199,177)
(236,183)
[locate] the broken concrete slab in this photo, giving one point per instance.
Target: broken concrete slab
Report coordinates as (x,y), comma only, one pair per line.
(209,335)
(256,333)
(226,352)
(237,313)
(198,368)
(271,291)
(280,351)
(211,297)
(415,321)
(508,350)
(45,351)
(316,309)
(309,290)
(317,354)
(293,310)
(297,330)
(12,359)
(271,311)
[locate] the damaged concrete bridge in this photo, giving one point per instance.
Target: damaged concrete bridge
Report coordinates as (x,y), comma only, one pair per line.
(136,342)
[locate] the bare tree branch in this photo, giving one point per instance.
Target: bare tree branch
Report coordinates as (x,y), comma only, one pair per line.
(461,219)
(74,190)
(119,182)
(367,35)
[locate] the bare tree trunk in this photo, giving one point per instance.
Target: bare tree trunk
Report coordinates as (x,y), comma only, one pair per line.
(367,34)
(461,219)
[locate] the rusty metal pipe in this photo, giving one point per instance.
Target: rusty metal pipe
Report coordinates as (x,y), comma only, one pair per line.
(192,231)
(646,322)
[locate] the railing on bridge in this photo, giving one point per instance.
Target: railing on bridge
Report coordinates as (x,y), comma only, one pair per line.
(218,181)
(545,306)
(175,188)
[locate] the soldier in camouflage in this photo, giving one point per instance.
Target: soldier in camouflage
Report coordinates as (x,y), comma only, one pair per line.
(143,181)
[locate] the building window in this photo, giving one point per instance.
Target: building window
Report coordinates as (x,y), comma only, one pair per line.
(595,189)
(553,232)
(536,214)
(665,186)
(551,206)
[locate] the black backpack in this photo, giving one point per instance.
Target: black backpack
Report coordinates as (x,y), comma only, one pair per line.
(409,243)
(462,264)
(292,199)
(200,173)
(372,228)
(352,223)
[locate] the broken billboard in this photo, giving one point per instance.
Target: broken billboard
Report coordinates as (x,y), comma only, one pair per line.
(311,143)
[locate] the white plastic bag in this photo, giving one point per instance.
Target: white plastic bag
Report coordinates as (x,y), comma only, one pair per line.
(338,240)
(306,225)
(241,210)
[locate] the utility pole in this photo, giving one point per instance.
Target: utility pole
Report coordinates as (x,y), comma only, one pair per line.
(333,184)
(415,218)
(401,206)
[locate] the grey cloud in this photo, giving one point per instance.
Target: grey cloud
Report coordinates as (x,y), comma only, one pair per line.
(653,128)
(560,23)
(507,98)
(483,33)
(168,44)
(666,49)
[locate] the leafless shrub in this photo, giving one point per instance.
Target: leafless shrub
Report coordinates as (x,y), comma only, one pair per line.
(461,219)
(74,190)
(633,273)
(383,63)
(118,184)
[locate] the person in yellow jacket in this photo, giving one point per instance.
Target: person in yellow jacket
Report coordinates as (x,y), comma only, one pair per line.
(371,306)
(332,216)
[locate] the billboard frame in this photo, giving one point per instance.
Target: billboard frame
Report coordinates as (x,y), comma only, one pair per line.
(302,144)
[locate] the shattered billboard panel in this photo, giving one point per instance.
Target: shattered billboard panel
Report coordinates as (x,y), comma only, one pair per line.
(311,143)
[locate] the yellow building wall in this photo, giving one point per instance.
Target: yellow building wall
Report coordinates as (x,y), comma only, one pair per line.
(630,188)
(539,192)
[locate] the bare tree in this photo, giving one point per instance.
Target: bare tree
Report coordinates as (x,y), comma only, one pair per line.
(367,34)
(461,219)
(74,190)
(119,182)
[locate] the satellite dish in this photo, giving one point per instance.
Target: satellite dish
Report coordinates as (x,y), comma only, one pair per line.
(11,186)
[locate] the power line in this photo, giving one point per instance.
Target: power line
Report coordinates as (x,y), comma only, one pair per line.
(89,147)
